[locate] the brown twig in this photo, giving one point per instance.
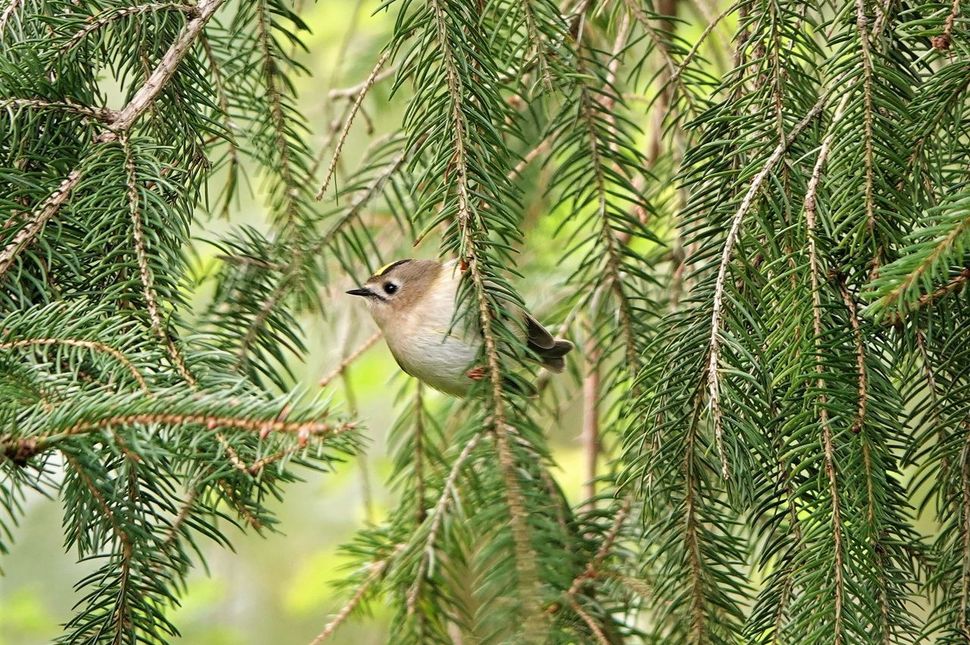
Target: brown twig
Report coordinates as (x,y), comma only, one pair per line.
(956,283)
(29,446)
(219,85)
(829,450)
(591,104)
(108,16)
(593,627)
(448,492)
(349,121)
(161,75)
(376,569)
(419,439)
(945,39)
(590,432)
(860,355)
(868,158)
(593,566)
(239,505)
(964,517)
(353,356)
(179,521)
(354,90)
(101,115)
(7,12)
(540,149)
(465,221)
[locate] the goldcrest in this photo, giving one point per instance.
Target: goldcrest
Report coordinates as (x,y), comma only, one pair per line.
(413,302)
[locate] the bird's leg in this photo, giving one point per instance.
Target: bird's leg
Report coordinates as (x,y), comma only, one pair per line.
(476,373)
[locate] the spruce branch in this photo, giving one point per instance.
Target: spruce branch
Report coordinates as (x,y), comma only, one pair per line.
(375,571)
(602,152)
(349,359)
(594,566)
(867,116)
(100,115)
(64,430)
(278,121)
(593,626)
(354,90)
(219,84)
(8,12)
(466,221)
(448,493)
(591,413)
(863,390)
(106,17)
(292,270)
(673,70)
(692,53)
(941,42)
(927,258)
(822,403)
(956,284)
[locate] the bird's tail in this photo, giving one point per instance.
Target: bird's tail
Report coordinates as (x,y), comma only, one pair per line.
(552,357)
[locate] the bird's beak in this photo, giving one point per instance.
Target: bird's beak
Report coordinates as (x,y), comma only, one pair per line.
(361,291)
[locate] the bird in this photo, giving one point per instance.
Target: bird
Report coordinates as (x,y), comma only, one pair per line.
(413,303)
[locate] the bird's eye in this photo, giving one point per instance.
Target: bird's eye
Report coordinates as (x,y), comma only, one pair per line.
(389,288)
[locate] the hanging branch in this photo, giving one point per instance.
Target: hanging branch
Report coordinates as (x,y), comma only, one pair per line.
(717,314)
(867,116)
(822,404)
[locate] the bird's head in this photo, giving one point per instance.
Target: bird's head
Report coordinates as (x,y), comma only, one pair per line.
(395,288)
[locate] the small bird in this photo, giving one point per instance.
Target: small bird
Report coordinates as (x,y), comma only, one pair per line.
(413,302)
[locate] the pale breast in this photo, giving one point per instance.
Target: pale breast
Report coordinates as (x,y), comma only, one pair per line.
(427,347)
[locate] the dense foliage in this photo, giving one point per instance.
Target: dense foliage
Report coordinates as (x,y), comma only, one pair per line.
(761,216)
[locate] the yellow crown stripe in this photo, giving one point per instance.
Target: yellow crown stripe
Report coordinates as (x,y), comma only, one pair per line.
(387,267)
(384,269)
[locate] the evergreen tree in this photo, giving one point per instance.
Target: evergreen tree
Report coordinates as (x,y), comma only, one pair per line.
(763,245)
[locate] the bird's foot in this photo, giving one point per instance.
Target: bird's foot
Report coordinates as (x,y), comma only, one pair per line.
(476,373)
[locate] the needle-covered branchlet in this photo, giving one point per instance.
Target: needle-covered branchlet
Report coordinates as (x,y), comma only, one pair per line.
(37,219)
(25,447)
(810,205)
(87,344)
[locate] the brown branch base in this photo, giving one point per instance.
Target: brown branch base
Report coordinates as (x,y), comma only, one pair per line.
(19,451)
